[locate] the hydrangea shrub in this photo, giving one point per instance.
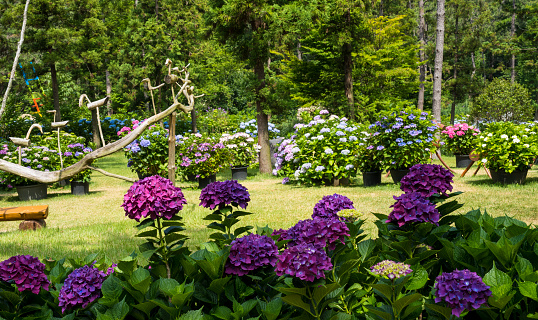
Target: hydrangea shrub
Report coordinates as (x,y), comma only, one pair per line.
(321,150)
(153,197)
(508,146)
(406,135)
(148,154)
(459,138)
(200,155)
(427,179)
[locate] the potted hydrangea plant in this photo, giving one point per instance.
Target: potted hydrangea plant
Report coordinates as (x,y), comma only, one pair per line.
(148,155)
(242,150)
(459,140)
(406,135)
(202,156)
(34,157)
(370,161)
(80,183)
(507,150)
(321,151)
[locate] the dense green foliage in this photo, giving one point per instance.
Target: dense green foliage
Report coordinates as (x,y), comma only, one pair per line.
(298,49)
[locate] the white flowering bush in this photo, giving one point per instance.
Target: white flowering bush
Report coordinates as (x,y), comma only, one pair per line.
(508,146)
(321,150)
(251,127)
(242,148)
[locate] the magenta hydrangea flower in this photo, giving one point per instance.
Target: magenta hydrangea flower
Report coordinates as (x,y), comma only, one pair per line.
(82,287)
(319,232)
(304,261)
(222,193)
(391,269)
(461,290)
(26,272)
(251,252)
(427,179)
(153,197)
(329,206)
(413,207)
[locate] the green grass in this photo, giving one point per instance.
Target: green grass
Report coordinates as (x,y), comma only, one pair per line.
(80,225)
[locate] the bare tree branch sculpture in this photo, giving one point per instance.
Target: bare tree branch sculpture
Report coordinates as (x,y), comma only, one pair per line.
(86,162)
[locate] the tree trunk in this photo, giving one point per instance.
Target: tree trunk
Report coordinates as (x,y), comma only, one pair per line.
(108,93)
(438,76)
(55,93)
(193,122)
(262,119)
(422,68)
(512,33)
(348,80)
(14,67)
(454,87)
(348,72)
(299,52)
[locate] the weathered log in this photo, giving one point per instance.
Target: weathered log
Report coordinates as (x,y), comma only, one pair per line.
(32,224)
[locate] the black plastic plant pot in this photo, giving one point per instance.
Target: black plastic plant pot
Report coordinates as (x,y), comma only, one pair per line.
(516,177)
(397,175)
(239,173)
(80,188)
(463,160)
(203,182)
(371,179)
(32,192)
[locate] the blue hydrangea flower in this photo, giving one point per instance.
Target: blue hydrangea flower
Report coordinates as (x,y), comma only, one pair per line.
(320,168)
(344,140)
(145,143)
(349,167)
(328,151)
(353,138)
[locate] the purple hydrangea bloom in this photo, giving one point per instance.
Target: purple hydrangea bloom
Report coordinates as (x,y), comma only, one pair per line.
(153,196)
(304,261)
(391,269)
(26,272)
(427,179)
(81,288)
(222,193)
(317,231)
(285,180)
(329,206)
(461,289)
(250,253)
(413,207)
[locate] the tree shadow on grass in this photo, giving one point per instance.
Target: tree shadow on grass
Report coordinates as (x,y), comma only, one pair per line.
(486,181)
(10,198)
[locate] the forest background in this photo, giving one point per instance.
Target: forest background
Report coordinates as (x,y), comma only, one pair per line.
(351,57)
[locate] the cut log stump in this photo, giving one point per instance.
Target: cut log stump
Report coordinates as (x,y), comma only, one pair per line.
(33,216)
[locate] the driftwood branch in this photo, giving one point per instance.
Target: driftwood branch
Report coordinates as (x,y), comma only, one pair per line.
(17,55)
(106,173)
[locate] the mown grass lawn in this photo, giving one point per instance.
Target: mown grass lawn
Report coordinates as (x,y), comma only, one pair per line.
(80,225)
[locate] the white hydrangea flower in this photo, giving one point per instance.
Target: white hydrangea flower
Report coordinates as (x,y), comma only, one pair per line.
(504,136)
